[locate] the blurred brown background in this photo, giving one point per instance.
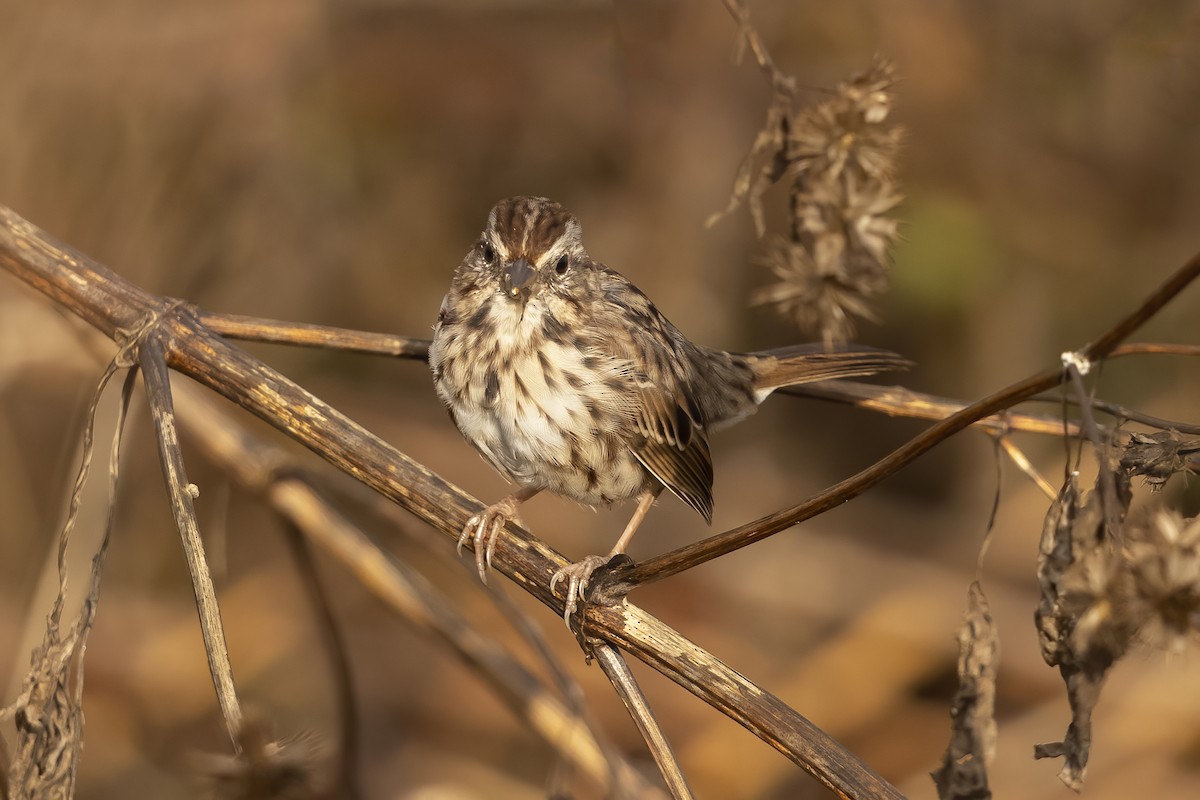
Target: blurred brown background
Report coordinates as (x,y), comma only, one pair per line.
(332,162)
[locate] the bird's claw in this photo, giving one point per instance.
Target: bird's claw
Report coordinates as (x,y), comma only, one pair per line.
(577,576)
(483,530)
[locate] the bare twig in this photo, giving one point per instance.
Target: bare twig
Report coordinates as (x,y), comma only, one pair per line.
(152,358)
(1154,349)
(1025,465)
(898,401)
(1122,414)
(330,631)
(257,329)
(614,666)
(1107,481)
(749,35)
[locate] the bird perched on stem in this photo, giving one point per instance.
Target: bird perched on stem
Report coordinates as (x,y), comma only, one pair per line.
(566,378)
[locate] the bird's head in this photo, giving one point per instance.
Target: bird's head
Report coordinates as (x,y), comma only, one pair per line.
(530,251)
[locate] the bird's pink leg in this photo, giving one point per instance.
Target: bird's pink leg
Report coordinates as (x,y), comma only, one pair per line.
(578,575)
(484,528)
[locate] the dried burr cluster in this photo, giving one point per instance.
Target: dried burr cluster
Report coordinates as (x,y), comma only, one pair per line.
(837,157)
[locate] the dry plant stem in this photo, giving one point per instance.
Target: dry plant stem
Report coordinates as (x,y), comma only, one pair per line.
(108,302)
(894,401)
(614,666)
(152,359)
(1023,463)
(1108,484)
(1154,349)
(1122,413)
(270,472)
(256,329)
(573,697)
(422,605)
(339,661)
(897,401)
(524,624)
(693,555)
(779,81)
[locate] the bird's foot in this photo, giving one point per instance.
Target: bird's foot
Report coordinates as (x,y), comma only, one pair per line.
(484,528)
(577,576)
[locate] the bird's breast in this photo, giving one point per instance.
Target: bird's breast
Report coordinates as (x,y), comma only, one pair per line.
(542,404)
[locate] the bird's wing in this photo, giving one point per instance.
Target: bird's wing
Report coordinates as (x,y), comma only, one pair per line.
(669,438)
(674,449)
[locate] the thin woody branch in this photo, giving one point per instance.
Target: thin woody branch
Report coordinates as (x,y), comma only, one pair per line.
(749,36)
(152,359)
(626,686)
(894,401)
(333,639)
(257,329)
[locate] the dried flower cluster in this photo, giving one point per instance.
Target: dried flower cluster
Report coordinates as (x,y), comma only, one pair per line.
(1164,565)
(838,158)
(1158,456)
(1108,581)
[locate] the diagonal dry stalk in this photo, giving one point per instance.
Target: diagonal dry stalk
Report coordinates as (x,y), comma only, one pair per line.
(333,640)
(152,358)
(113,305)
(626,686)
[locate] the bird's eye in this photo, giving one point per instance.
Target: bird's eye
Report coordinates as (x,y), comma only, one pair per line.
(489,254)
(563,264)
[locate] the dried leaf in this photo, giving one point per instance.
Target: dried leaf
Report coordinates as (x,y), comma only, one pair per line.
(48,713)
(1086,617)
(963,774)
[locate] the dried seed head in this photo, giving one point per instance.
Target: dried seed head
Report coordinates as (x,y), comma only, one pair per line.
(1164,561)
(846,133)
(838,158)
(814,288)
(1158,456)
(1098,596)
(267,768)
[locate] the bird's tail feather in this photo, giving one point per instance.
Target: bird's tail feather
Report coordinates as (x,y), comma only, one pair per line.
(808,363)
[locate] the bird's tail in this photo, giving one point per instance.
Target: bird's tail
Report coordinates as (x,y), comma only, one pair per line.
(808,363)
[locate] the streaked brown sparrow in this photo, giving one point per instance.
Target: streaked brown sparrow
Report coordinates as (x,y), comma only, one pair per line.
(567,378)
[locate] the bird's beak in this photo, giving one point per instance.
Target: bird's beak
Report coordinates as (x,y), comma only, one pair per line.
(518,276)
